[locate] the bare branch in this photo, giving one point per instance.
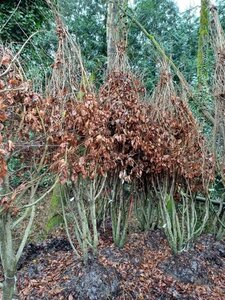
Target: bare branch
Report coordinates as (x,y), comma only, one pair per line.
(18,53)
(10,17)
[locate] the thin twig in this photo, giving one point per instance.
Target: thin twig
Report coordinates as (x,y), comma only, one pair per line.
(67,228)
(41,198)
(10,17)
(18,53)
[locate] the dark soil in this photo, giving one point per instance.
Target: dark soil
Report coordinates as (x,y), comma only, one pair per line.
(32,251)
(144,269)
(97,282)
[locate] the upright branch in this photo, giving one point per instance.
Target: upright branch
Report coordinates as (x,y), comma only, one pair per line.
(218,37)
(69,76)
(160,51)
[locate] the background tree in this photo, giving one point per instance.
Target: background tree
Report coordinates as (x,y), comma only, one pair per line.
(19,20)
(86,21)
(221,11)
(176,33)
(116,34)
(203,45)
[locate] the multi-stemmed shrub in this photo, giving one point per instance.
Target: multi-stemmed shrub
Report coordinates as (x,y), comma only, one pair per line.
(117,136)
(18,141)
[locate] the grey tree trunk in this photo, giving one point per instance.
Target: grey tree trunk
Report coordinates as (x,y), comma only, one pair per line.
(116,35)
(112,37)
(8,257)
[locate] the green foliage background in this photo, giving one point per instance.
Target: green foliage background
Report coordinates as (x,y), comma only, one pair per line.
(86,19)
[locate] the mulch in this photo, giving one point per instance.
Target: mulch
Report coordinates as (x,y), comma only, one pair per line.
(147,269)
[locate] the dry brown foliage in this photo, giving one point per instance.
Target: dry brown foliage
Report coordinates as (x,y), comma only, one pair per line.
(116,132)
(110,132)
(187,156)
(19,117)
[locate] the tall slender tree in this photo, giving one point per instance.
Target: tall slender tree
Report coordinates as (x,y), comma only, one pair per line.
(203,43)
(116,34)
(219,89)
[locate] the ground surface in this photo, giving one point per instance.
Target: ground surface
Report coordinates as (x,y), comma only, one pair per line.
(144,269)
